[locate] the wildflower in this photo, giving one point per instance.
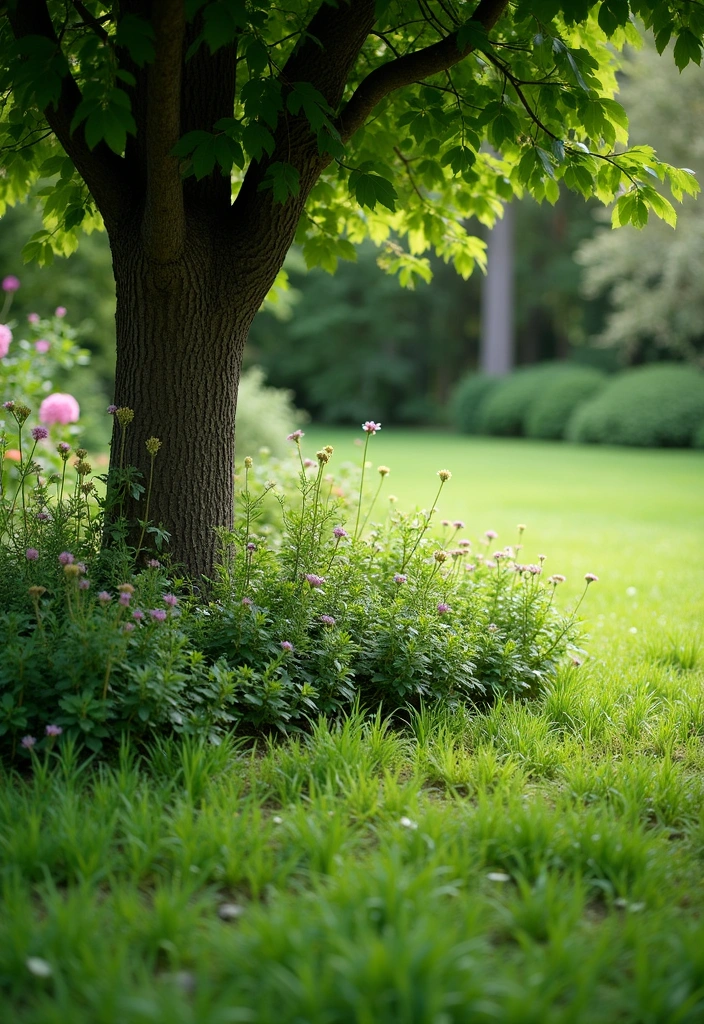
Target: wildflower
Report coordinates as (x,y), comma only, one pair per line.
(28,742)
(591,578)
(66,558)
(444,474)
(534,570)
(440,556)
(84,584)
(104,597)
(576,661)
(33,318)
(370,427)
(10,283)
(444,522)
(152,444)
(490,534)
(36,592)
(124,600)
(158,614)
(327,620)
(5,339)
(400,577)
(138,614)
(339,532)
(124,415)
(393,499)
(464,543)
(246,601)
(59,408)
(456,553)
(171,600)
(469,568)
(315,581)
(498,876)
(81,453)
(39,433)
(407,822)
(557,578)
(492,627)
(286,645)
(43,517)
(248,462)
(322,457)
(383,471)
(42,346)
(63,448)
(308,463)
(251,546)
(72,570)
(498,555)
(20,412)
(458,524)
(128,627)
(153,563)
(60,311)
(81,566)
(31,554)
(87,487)
(53,730)
(37,966)
(443,608)
(295,436)
(111,410)
(541,558)
(8,405)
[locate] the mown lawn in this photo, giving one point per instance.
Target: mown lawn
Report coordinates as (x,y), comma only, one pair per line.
(537,864)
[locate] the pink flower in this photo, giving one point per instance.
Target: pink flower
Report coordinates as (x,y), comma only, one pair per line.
(171,600)
(295,436)
(84,584)
(464,543)
(33,318)
(5,339)
(399,577)
(370,427)
(491,535)
(42,346)
(557,578)
(60,311)
(59,408)
(246,601)
(10,283)
(158,614)
(286,645)
(315,581)
(309,463)
(251,546)
(104,597)
(153,563)
(443,608)
(138,614)
(128,627)
(66,558)
(591,578)
(124,600)
(111,410)
(31,554)
(53,730)
(39,433)
(8,405)
(458,524)
(327,620)
(339,531)
(28,742)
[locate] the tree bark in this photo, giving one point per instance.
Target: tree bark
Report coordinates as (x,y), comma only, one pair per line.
(181,329)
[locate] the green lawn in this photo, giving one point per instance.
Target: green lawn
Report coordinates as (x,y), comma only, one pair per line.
(536,864)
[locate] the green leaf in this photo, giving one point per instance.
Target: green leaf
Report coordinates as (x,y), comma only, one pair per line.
(370,189)
(283,180)
(257,139)
(137,36)
(687,48)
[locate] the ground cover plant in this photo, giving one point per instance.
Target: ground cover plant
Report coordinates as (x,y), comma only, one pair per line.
(529,861)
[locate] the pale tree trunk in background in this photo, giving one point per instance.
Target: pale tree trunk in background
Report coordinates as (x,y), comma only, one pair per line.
(497,334)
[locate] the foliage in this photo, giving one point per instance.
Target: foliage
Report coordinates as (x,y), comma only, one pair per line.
(416,168)
(466,402)
(506,407)
(297,624)
(654,291)
(264,414)
(659,405)
(548,417)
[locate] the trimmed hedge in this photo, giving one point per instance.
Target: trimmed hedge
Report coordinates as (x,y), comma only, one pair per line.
(660,405)
(467,399)
(511,405)
(547,416)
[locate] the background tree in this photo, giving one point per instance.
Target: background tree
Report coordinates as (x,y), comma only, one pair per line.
(652,282)
(329,122)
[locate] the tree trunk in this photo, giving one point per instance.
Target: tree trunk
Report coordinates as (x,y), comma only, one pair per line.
(181,329)
(497,342)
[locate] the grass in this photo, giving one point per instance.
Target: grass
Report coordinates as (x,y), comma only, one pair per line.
(536,863)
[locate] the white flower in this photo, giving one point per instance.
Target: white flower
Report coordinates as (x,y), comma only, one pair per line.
(408,822)
(498,876)
(38,967)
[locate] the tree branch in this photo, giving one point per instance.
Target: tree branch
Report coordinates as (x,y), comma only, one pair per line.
(101,169)
(164,220)
(413,66)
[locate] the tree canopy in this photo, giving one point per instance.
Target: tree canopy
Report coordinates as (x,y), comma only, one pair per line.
(422,114)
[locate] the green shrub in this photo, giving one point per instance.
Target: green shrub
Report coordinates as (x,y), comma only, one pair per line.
(698,438)
(547,416)
(264,415)
(653,406)
(505,409)
(466,401)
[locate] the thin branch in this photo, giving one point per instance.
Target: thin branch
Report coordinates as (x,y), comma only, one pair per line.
(164,221)
(90,21)
(395,74)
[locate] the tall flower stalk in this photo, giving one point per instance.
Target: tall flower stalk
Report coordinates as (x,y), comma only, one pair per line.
(370,428)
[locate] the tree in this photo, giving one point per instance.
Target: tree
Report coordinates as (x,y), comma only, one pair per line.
(327,121)
(652,281)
